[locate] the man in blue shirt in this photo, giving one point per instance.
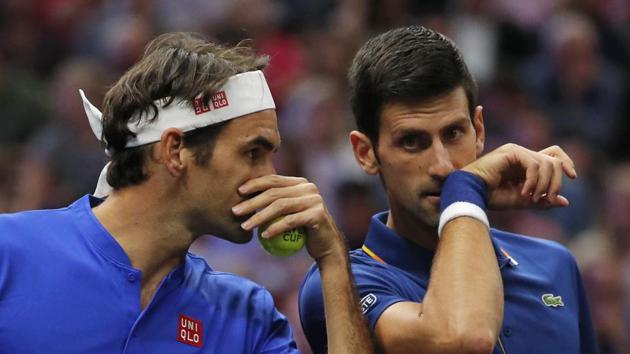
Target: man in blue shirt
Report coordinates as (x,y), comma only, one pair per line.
(190,130)
(432,276)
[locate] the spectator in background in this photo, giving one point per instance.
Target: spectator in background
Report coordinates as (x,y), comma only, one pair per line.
(603,254)
(356,206)
(575,84)
(62,161)
(23,104)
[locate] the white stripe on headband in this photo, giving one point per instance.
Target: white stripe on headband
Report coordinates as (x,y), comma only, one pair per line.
(242,94)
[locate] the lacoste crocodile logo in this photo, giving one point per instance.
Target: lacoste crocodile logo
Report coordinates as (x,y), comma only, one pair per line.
(552,301)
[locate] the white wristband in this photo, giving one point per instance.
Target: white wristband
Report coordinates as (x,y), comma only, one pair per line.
(458,209)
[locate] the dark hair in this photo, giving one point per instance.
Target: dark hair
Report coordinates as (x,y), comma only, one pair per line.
(402,65)
(175,66)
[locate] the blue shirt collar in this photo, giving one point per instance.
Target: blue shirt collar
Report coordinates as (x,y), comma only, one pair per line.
(396,250)
(92,229)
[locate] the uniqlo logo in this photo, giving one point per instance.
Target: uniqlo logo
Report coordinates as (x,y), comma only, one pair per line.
(219,100)
(200,106)
(190,331)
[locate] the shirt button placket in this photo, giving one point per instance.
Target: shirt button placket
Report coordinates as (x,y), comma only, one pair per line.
(131,277)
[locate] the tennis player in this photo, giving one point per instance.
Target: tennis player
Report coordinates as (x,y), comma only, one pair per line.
(433,277)
(190,130)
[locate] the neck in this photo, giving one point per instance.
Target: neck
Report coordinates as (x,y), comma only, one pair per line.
(149,227)
(410,227)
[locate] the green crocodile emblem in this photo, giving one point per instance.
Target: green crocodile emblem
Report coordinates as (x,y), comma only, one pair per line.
(552,301)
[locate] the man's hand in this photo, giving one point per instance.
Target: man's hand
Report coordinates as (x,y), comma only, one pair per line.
(299,203)
(519,177)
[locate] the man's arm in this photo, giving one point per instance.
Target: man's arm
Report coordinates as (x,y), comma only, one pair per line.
(346,329)
(301,205)
(462,309)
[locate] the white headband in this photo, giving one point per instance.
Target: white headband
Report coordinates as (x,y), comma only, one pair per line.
(242,94)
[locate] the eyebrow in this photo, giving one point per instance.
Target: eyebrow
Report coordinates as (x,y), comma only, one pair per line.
(408,130)
(458,122)
(263,142)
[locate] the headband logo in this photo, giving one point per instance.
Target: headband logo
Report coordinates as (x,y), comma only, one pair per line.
(220,100)
(200,106)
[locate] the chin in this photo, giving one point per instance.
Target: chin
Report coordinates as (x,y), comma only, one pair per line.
(432,220)
(241,241)
(430,217)
(235,235)
(241,236)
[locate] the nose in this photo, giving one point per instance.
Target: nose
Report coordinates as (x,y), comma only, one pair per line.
(440,163)
(266,168)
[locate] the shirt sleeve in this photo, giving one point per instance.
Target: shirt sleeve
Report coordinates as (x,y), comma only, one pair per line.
(277,337)
(376,293)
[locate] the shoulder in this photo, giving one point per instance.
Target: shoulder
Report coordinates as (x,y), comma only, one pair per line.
(242,302)
(538,250)
(44,220)
(224,286)
(378,286)
(23,227)
(364,270)
(29,219)
(530,243)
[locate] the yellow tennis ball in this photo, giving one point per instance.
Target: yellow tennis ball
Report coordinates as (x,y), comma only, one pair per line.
(284,244)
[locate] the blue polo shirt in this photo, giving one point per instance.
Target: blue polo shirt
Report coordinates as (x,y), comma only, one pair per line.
(66,286)
(545,306)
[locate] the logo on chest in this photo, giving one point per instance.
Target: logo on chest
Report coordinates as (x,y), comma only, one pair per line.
(552,301)
(190,331)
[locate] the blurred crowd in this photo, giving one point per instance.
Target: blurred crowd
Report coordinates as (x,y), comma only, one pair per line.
(550,72)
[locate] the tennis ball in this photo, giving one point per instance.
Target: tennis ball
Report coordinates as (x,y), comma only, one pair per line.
(284,244)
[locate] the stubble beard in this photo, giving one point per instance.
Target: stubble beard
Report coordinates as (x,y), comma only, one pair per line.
(429,215)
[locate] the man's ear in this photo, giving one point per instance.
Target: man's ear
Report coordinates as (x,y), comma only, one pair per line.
(364,152)
(480,130)
(171,151)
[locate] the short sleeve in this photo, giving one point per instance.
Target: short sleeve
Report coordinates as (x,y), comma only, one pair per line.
(376,294)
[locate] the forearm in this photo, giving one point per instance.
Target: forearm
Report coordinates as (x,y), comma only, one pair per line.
(345,326)
(465,294)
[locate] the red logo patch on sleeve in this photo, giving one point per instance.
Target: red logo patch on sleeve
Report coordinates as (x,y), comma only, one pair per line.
(219,100)
(200,106)
(190,331)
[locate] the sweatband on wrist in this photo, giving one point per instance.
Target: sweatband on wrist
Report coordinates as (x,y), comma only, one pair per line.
(459,209)
(462,186)
(463,194)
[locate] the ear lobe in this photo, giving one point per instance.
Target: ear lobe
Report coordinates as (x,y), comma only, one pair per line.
(171,151)
(364,152)
(480,136)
